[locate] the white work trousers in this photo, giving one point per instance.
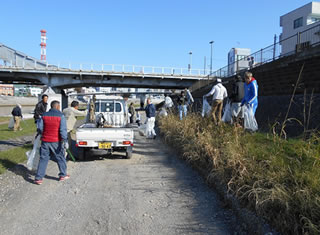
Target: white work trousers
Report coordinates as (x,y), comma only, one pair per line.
(150,127)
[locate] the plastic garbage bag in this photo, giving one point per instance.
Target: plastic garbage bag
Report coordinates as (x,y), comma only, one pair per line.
(206,108)
(250,122)
(236,110)
(143,130)
(11,123)
(227,114)
(34,155)
(163,113)
(168,103)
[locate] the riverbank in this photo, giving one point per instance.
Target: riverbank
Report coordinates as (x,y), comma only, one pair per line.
(275,178)
(7,103)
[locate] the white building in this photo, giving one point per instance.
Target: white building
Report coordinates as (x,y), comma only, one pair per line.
(88,90)
(104,89)
(299,20)
(237,60)
(35,91)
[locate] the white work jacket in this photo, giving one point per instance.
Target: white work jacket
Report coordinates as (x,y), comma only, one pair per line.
(70,115)
(218,92)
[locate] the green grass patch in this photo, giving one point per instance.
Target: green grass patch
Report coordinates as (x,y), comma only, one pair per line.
(12,157)
(4,119)
(28,126)
(278,179)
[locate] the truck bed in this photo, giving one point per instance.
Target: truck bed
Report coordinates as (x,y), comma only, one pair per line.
(89,133)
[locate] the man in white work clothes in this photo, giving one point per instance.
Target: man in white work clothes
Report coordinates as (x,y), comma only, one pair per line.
(219,93)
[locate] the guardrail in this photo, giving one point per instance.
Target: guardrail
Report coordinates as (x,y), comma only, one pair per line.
(113,68)
(284,47)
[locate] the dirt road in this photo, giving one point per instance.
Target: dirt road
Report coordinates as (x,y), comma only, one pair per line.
(152,193)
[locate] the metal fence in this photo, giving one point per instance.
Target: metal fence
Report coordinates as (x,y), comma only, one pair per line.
(284,47)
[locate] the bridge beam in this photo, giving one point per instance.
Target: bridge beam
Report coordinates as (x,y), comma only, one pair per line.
(72,80)
(115,81)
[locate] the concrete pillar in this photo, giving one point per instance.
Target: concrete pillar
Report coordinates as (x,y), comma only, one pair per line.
(64,100)
(64,97)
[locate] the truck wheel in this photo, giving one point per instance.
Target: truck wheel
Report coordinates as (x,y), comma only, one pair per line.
(81,154)
(129,153)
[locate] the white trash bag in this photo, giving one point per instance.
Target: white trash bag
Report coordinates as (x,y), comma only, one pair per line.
(250,122)
(163,113)
(227,114)
(11,123)
(206,108)
(34,155)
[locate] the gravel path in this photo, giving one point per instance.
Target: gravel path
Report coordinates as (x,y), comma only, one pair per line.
(152,193)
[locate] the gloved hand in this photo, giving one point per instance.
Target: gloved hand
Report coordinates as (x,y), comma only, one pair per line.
(66,145)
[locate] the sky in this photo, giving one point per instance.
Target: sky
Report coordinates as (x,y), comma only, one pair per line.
(142,32)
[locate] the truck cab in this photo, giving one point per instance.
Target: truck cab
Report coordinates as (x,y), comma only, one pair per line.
(107,128)
(113,109)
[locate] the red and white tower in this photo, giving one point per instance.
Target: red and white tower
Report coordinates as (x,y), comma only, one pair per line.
(43,44)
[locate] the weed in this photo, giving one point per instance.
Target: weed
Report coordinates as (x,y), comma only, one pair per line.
(275,177)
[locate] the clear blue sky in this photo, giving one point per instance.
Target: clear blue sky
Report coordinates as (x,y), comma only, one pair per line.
(141,32)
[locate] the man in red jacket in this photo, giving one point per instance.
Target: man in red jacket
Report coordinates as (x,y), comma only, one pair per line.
(53,128)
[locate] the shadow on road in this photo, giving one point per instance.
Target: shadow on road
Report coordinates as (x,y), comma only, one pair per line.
(23,171)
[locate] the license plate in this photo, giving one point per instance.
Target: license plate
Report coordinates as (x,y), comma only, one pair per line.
(104,145)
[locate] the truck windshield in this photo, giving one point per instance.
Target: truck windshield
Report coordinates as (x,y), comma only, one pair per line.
(107,106)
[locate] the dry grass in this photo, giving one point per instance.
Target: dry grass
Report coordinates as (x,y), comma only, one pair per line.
(278,179)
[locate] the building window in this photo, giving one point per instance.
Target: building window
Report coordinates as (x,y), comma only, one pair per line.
(312,20)
(298,23)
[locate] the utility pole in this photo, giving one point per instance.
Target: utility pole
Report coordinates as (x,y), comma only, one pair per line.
(211,42)
(204,66)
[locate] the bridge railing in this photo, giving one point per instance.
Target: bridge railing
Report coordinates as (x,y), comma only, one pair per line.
(111,68)
(284,47)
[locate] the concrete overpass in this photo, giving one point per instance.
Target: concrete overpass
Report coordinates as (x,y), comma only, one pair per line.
(19,68)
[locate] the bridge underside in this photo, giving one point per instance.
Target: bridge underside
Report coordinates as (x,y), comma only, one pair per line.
(61,80)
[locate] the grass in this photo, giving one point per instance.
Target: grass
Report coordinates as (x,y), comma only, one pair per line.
(278,179)
(28,127)
(10,158)
(4,119)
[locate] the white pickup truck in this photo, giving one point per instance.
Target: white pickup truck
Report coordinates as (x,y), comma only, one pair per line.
(110,131)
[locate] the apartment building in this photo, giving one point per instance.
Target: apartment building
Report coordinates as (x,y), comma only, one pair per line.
(305,21)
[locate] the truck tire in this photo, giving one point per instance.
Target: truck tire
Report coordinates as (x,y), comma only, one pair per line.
(129,153)
(81,154)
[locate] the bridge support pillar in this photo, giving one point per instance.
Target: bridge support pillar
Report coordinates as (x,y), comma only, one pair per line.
(64,97)
(64,100)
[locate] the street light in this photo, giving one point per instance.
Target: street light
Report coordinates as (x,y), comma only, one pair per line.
(211,42)
(190,64)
